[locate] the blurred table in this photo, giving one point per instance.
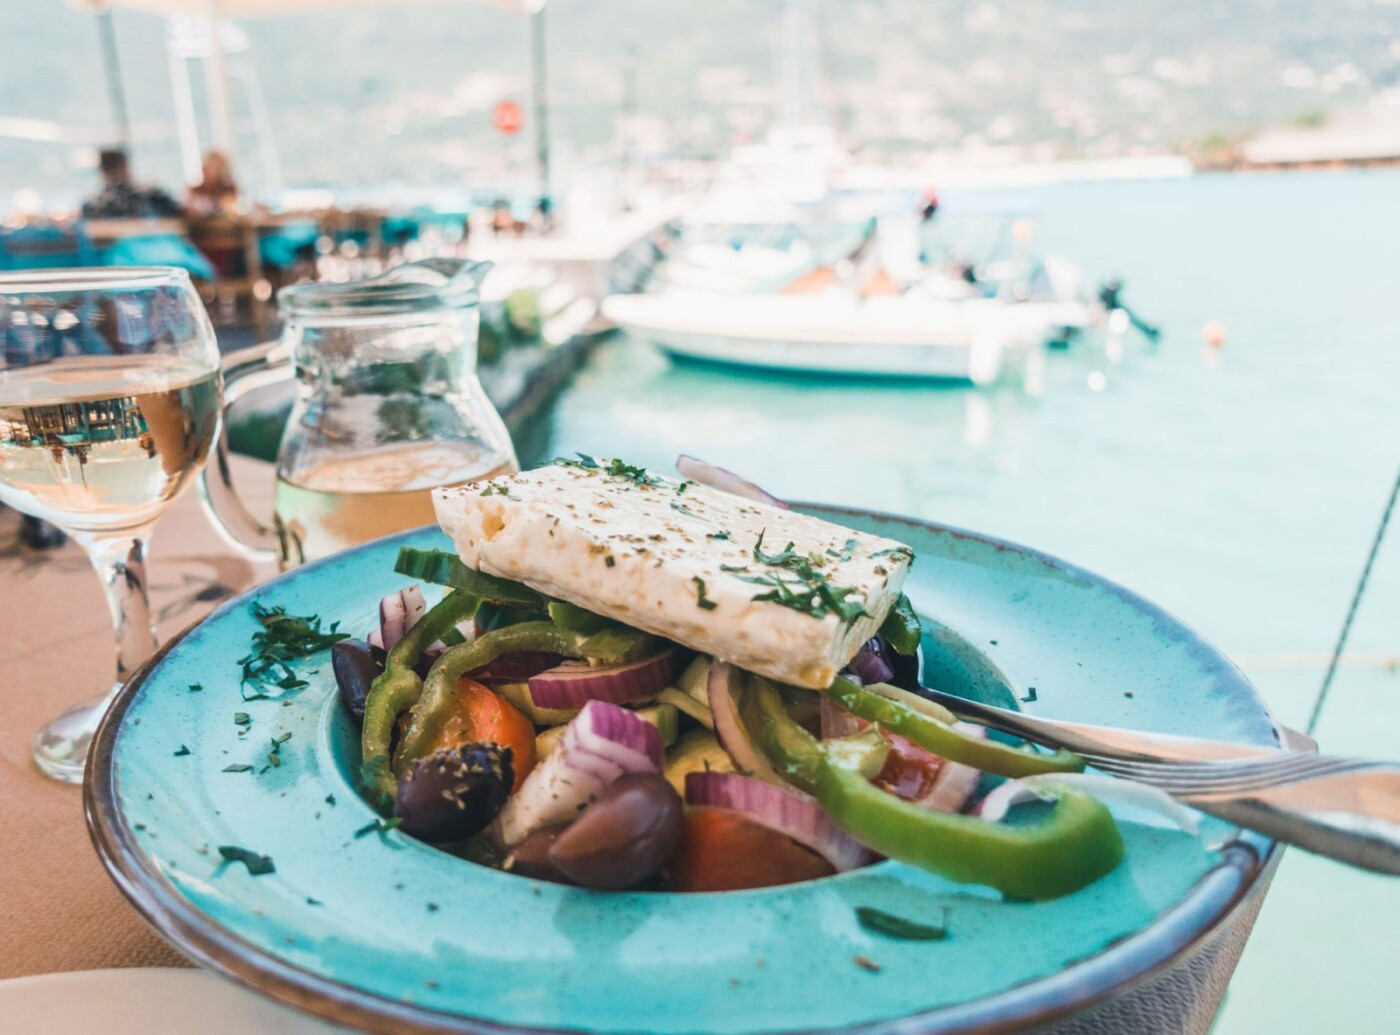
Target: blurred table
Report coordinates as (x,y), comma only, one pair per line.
(58,909)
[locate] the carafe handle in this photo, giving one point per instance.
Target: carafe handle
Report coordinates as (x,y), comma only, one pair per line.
(244,371)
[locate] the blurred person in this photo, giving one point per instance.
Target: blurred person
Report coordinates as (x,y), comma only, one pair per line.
(120,198)
(928,208)
(544,210)
(217,192)
(502,219)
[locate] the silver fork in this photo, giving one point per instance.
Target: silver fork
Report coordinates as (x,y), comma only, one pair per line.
(1344,808)
(1088,739)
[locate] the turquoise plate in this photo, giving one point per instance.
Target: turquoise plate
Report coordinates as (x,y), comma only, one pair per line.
(383,932)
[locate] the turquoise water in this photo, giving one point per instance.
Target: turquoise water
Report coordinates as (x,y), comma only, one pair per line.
(1240,494)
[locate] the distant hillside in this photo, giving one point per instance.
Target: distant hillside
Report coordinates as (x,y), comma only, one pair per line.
(404,93)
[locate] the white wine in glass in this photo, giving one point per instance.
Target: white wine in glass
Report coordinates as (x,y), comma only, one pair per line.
(109,402)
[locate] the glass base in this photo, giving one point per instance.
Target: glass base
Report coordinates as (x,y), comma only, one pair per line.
(61,747)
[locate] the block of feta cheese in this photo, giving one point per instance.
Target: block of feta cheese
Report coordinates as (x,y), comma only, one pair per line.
(678,559)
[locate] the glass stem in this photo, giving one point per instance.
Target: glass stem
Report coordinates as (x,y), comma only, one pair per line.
(120,561)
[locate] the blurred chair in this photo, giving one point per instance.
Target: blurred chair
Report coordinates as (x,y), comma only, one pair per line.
(231,244)
(358,227)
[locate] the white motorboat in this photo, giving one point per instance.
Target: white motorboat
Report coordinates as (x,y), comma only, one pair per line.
(757,258)
(902,336)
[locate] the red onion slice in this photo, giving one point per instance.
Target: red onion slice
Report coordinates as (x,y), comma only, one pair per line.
(870,664)
(398,613)
(729,731)
(600,744)
(836,721)
(725,481)
(782,809)
(574,683)
(1107,789)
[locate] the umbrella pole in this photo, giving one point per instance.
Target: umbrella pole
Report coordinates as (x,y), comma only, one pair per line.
(216,82)
(116,92)
(186,123)
(538,86)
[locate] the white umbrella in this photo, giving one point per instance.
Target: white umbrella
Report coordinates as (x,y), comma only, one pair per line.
(212,11)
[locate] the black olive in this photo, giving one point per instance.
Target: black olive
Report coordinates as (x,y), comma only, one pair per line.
(530,858)
(455,792)
(624,837)
(356,668)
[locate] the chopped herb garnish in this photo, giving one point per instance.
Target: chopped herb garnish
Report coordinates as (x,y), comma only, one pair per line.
(804,588)
(682,509)
(701,601)
(499,490)
(196,687)
(609,560)
(721,534)
(242,718)
(584,462)
(733,567)
(631,473)
(330,800)
(892,551)
(182,752)
(845,553)
(238,767)
(683,486)
(257,864)
(282,639)
(380,826)
(892,926)
(313,901)
(614,468)
(1030,696)
(275,755)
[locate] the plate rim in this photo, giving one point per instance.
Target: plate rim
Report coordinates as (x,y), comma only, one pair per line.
(1247,863)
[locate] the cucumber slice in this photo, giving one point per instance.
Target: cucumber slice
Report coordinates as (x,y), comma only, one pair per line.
(690,706)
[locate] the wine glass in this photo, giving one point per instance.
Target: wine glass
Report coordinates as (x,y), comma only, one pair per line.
(109,400)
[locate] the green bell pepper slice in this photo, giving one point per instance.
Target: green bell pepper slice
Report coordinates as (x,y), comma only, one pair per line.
(1070,848)
(398,686)
(433,706)
(943,740)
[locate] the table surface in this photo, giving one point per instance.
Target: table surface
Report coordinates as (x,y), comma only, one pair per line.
(58,909)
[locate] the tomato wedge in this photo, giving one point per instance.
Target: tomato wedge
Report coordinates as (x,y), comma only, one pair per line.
(724,850)
(910,771)
(481,715)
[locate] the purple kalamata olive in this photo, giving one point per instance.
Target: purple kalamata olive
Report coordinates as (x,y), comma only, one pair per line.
(454,793)
(625,836)
(356,668)
(530,858)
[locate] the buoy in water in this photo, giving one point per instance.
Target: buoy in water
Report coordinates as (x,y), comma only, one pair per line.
(1215,333)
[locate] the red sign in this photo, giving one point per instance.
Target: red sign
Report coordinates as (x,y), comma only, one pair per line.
(508,117)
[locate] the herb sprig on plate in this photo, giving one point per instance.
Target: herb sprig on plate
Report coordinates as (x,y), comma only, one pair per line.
(282,639)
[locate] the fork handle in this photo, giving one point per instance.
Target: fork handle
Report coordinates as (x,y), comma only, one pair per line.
(1353,817)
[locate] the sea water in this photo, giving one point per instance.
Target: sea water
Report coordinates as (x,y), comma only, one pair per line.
(1237,487)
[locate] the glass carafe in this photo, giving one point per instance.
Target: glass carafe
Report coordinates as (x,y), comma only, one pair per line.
(388,406)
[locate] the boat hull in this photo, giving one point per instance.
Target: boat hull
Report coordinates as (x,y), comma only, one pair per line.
(874,339)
